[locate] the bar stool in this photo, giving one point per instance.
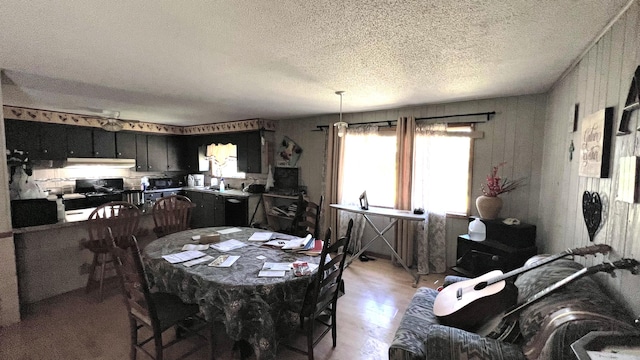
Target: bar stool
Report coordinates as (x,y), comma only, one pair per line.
(123,218)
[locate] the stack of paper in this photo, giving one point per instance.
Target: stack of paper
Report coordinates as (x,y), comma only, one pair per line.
(299,243)
(198,261)
(183,256)
(228,245)
(224,260)
(315,250)
(270,269)
(195,247)
(261,236)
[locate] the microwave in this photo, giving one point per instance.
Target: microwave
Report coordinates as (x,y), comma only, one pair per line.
(161,183)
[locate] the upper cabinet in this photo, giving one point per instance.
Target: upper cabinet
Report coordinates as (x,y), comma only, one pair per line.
(153,153)
(177,153)
(157,153)
(53,140)
(79,142)
(39,141)
(125,145)
(250,153)
(104,144)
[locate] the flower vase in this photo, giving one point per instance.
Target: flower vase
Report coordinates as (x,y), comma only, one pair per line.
(488,206)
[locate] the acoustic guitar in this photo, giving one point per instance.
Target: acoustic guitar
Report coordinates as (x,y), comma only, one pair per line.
(470,303)
(504,326)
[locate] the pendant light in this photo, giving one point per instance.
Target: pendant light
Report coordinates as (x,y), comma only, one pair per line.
(341,125)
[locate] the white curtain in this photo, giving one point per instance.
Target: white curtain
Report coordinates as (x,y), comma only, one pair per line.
(431,181)
(360,170)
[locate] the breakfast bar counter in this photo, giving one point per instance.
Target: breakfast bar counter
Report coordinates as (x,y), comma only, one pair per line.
(51,260)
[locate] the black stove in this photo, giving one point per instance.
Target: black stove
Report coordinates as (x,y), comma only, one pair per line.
(96,192)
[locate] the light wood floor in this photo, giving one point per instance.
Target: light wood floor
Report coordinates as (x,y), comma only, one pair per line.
(76,326)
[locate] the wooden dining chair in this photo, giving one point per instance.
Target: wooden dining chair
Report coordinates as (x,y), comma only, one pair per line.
(321,300)
(311,218)
(123,218)
(156,311)
(172,214)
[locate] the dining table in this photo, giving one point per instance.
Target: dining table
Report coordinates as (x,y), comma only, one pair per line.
(260,310)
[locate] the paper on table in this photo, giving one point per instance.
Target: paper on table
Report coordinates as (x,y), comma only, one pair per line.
(271,273)
(299,243)
(276,266)
(183,256)
(195,247)
(228,245)
(261,236)
(198,261)
(285,236)
(229,230)
(224,260)
(276,243)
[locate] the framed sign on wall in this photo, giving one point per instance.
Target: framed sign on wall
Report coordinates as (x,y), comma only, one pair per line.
(595,146)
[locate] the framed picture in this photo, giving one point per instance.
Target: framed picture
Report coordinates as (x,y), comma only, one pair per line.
(573,117)
(288,153)
(364,203)
(595,147)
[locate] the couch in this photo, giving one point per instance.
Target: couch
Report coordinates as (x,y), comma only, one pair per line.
(548,327)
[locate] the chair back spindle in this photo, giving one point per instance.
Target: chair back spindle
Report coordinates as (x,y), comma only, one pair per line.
(172,214)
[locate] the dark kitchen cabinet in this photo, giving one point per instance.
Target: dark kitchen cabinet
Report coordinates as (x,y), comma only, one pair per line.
(79,142)
(104,144)
(20,136)
(191,153)
(156,153)
(141,152)
(219,210)
(209,210)
(250,153)
(125,145)
(176,153)
(198,216)
(53,142)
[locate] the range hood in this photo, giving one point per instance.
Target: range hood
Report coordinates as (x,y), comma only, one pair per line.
(72,163)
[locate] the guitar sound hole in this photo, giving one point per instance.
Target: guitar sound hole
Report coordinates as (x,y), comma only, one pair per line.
(480,286)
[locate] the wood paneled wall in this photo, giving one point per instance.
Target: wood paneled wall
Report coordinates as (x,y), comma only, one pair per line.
(601,79)
(513,135)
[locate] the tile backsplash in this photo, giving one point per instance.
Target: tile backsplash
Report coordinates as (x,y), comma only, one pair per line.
(62,180)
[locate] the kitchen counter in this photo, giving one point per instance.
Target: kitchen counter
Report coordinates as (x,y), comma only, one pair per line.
(229,192)
(74,216)
(51,260)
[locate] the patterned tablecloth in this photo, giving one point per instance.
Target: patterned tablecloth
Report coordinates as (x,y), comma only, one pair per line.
(260,310)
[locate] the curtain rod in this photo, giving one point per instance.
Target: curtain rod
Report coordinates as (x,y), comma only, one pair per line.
(389,122)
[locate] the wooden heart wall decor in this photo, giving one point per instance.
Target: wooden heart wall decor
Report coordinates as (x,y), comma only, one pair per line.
(592,212)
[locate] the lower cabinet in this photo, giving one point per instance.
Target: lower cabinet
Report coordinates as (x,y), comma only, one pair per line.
(209,210)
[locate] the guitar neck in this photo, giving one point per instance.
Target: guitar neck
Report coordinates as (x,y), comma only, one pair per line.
(546,291)
(523,269)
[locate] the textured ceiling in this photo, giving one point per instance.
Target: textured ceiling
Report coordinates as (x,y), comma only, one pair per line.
(195,62)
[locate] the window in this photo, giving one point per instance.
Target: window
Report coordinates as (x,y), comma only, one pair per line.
(441,167)
(224,161)
(369,163)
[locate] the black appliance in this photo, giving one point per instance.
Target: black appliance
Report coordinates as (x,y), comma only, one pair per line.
(96,192)
(162,183)
(33,212)
(236,211)
(285,181)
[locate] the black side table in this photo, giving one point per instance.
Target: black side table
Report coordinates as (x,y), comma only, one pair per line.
(506,247)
